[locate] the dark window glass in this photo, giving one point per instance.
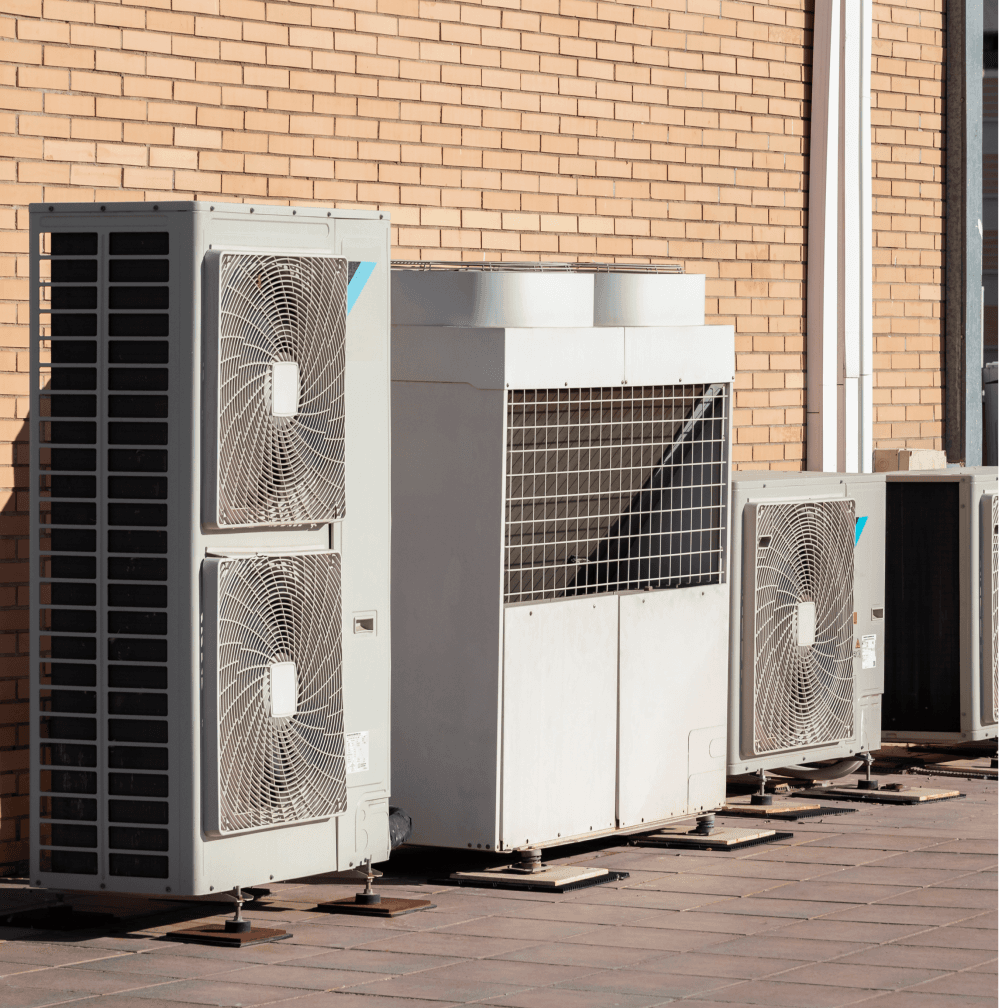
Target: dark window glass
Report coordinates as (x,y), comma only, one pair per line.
(67,754)
(70,620)
(73,486)
(74,433)
(140,271)
(128,297)
(138,677)
(84,729)
(137,623)
(81,648)
(137,758)
(75,271)
(73,513)
(128,649)
(137,433)
(73,594)
(74,325)
(74,352)
(68,862)
(138,704)
(136,352)
(156,326)
(73,458)
(137,460)
(74,243)
(72,405)
(121,541)
(134,838)
(74,567)
(139,243)
(74,297)
(137,569)
(136,406)
(136,514)
(68,808)
(136,596)
(73,378)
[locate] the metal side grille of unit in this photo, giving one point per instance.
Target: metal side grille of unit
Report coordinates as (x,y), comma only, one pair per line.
(277,686)
(990,607)
(802,634)
(281,464)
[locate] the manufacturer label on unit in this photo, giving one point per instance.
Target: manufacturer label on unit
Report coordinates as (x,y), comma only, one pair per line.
(868,651)
(356,751)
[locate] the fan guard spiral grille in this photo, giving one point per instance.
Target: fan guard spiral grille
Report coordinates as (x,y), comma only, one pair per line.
(803,695)
(279,770)
(280,470)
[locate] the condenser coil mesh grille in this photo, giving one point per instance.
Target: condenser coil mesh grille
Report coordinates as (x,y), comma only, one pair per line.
(993,608)
(275,770)
(803,694)
(611,489)
(278,470)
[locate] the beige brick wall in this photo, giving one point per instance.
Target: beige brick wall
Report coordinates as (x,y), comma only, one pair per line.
(665,130)
(907,125)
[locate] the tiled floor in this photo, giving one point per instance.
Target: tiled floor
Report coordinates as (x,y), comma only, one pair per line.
(889,907)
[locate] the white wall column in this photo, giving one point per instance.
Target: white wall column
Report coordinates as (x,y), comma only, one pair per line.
(839,341)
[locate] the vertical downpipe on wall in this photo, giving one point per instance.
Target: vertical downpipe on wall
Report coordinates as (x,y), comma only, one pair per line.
(839,295)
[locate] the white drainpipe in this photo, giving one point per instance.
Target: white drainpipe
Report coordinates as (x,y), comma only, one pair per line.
(839,286)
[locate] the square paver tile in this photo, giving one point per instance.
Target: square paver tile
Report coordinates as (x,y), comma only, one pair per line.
(71,978)
(839,974)
(761,907)
(728,966)
(637,981)
(886,913)
(842,930)
(963,984)
(433,988)
(667,940)
(212,992)
(953,937)
(24,997)
(461,946)
(526,974)
(824,891)
(785,995)
(920,957)
(519,928)
(704,920)
(368,961)
(924,999)
(769,947)
(580,955)
(305,977)
(549,997)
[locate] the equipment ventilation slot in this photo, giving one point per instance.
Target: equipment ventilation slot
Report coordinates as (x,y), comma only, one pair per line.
(802,625)
(282,330)
(103,299)
(614,489)
(277,681)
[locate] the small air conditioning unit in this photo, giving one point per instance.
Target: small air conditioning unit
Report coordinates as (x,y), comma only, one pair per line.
(209,533)
(808,618)
(560,581)
(941,562)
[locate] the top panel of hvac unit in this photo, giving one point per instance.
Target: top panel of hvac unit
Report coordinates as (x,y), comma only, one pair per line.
(545,295)
(188,206)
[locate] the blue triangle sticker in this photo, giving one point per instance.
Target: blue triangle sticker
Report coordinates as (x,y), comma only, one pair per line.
(357,276)
(858,529)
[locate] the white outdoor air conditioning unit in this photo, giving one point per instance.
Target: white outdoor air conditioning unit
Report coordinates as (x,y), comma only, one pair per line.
(942,564)
(210,517)
(808,618)
(560,495)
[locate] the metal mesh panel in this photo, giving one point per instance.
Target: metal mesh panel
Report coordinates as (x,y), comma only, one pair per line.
(614,489)
(281,469)
(279,769)
(803,694)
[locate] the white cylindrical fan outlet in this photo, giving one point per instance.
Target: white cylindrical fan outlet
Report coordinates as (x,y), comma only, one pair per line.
(648,299)
(494,299)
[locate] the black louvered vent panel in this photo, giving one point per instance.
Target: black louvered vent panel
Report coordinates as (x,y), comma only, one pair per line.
(103,506)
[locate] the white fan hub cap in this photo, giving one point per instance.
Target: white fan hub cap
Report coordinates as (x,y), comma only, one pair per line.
(284,388)
(283,681)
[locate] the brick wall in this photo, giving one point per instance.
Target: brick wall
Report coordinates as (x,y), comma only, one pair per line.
(666,130)
(908,138)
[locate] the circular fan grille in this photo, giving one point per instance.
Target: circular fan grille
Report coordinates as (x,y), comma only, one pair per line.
(278,470)
(994,614)
(803,695)
(276,770)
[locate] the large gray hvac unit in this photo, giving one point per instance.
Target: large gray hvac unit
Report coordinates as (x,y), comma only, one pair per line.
(942,564)
(209,591)
(560,489)
(808,618)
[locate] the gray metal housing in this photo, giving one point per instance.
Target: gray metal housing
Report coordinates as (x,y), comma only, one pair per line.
(534,723)
(943,537)
(164,702)
(861,727)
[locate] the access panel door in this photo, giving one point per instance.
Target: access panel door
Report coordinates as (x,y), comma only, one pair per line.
(674,682)
(559,719)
